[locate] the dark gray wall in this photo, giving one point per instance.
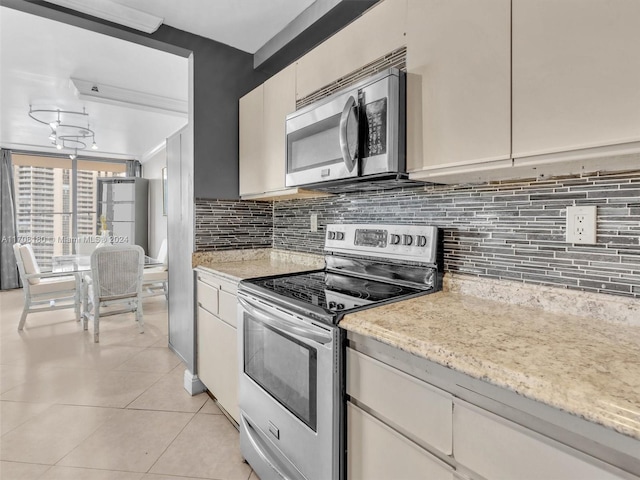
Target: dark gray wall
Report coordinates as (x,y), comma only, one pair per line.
(222,75)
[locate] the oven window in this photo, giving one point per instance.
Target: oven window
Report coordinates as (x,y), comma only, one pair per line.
(283,366)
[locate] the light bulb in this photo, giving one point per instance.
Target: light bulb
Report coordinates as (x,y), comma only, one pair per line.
(72,156)
(58,146)
(52,137)
(94,146)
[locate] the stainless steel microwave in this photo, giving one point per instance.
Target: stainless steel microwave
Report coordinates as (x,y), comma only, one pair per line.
(356,133)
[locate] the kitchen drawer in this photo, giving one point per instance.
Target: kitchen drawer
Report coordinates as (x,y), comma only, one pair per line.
(403,401)
(377,452)
(207,295)
(497,449)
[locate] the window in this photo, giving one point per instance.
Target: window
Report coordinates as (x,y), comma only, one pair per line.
(50,211)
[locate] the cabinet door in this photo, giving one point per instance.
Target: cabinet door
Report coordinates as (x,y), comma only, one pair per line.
(377,32)
(218,360)
(396,397)
(279,101)
(496,448)
(576,74)
(252,164)
(376,452)
(458,82)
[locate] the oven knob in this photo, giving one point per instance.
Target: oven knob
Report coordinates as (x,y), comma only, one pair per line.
(332,305)
(395,239)
(407,240)
(340,236)
(340,306)
(332,235)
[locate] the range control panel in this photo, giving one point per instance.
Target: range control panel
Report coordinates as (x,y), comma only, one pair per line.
(404,242)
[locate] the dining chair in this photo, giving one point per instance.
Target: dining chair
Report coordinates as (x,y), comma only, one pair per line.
(44,291)
(155,280)
(86,244)
(115,280)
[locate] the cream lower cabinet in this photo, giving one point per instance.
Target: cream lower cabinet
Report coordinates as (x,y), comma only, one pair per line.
(376,451)
(408,421)
(401,427)
(490,447)
(217,344)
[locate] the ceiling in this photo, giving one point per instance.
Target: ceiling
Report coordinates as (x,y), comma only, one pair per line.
(39,56)
(243,24)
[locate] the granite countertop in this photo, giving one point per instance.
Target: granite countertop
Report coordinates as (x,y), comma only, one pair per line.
(237,265)
(587,367)
(579,361)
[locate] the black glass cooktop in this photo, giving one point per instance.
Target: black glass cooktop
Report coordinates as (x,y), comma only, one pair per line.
(331,292)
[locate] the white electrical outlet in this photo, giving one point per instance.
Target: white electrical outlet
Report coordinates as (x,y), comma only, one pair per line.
(314,222)
(581,225)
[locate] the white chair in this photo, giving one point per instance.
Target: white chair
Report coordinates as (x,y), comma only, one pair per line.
(86,244)
(115,280)
(155,280)
(44,291)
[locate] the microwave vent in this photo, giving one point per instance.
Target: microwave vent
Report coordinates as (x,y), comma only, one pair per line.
(395,59)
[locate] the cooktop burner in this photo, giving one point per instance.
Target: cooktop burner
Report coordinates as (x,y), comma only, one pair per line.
(365,265)
(330,291)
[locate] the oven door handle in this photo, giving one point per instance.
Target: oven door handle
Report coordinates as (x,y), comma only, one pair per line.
(285,325)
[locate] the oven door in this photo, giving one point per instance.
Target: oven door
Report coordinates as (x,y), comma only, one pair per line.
(322,141)
(289,393)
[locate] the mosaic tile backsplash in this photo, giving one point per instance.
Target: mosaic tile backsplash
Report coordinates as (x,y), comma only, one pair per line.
(506,230)
(233,225)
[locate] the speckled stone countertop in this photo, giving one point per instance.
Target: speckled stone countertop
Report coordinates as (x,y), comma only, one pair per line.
(237,265)
(585,366)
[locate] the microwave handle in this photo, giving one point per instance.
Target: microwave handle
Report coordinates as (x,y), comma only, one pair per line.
(349,160)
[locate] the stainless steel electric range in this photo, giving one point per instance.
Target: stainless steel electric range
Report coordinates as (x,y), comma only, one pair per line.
(291,367)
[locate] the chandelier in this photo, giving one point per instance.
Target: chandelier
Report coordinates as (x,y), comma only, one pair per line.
(67,128)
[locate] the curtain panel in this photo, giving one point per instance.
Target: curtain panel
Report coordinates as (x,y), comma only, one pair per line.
(134,168)
(9,277)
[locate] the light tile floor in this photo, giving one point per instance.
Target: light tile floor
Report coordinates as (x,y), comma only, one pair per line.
(71,409)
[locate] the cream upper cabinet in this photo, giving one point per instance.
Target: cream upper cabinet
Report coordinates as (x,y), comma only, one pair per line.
(252,165)
(377,32)
(263,149)
(576,74)
(279,101)
(458,83)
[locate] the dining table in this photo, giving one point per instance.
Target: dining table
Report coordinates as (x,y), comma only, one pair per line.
(69,264)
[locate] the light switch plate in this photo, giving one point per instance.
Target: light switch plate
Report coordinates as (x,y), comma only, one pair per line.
(581,225)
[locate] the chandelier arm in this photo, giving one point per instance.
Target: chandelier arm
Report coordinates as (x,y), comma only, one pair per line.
(65,135)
